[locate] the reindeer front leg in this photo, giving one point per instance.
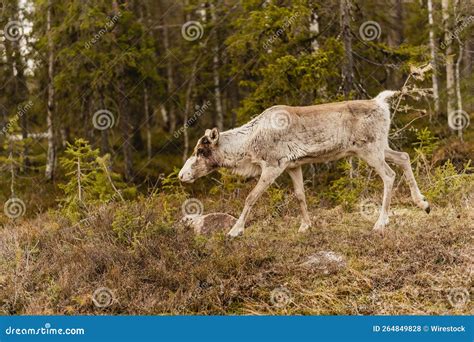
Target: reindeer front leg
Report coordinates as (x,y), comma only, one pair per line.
(268,176)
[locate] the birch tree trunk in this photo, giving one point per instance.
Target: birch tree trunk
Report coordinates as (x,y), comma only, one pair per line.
(51,153)
(187,110)
(458,84)
(22,89)
(434,76)
(458,67)
(348,65)
(164,115)
(22,96)
(170,113)
(188,104)
(458,77)
(13,68)
(450,100)
(215,71)
(314,30)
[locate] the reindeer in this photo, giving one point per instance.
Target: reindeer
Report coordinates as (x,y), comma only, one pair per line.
(283,138)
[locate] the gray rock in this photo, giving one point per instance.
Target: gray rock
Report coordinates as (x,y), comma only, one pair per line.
(209,223)
(325,262)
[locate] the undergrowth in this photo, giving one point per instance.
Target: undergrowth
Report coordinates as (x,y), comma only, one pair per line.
(135,247)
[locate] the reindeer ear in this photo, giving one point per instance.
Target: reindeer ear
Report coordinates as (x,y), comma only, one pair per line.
(213,135)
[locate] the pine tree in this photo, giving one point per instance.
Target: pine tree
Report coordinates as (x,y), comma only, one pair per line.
(80,166)
(89,179)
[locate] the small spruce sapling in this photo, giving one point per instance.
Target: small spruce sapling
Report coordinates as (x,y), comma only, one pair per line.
(89,179)
(14,161)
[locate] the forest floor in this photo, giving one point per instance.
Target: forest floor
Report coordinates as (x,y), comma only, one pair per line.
(132,258)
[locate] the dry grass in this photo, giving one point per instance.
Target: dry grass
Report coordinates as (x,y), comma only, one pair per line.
(153,267)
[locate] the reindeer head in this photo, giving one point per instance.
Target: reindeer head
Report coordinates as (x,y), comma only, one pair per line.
(204,159)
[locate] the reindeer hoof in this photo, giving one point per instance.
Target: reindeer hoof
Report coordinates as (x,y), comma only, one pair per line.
(423,204)
(235,231)
(380,225)
(304,227)
(379,231)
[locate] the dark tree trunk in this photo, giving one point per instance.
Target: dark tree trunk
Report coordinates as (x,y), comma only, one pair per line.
(348,65)
(127,135)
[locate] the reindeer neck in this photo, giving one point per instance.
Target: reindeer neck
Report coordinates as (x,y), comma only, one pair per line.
(233,144)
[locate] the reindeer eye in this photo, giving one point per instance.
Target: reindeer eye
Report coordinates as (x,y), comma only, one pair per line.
(200,151)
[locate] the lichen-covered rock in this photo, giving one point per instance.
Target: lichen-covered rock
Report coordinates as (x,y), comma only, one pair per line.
(209,223)
(325,262)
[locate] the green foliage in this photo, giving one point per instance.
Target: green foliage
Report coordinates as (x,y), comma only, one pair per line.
(109,184)
(127,225)
(294,80)
(80,167)
(172,192)
(347,189)
(171,184)
(228,183)
(88,179)
(447,185)
(277,199)
(425,145)
(102,47)
(145,217)
(262,53)
(14,160)
(427,142)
